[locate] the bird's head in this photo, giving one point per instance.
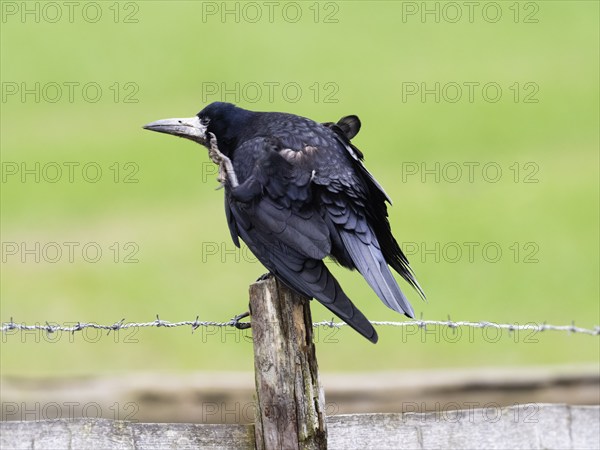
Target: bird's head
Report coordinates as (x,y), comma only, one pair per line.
(221,119)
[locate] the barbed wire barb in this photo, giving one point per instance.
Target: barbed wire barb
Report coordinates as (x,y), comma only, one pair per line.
(195,324)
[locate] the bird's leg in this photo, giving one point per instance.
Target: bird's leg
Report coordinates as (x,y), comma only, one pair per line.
(241,325)
(226,171)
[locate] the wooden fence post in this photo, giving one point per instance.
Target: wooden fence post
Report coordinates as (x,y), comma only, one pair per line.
(290,401)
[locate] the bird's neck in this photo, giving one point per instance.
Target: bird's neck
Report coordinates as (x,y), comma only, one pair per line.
(228,132)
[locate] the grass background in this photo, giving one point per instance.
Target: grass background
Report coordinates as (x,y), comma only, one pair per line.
(174,215)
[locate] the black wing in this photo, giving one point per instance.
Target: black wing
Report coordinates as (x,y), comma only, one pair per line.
(372,197)
(346,129)
(355,202)
(275,212)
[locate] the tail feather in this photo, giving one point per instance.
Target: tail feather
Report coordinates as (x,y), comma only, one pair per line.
(371,263)
(316,281)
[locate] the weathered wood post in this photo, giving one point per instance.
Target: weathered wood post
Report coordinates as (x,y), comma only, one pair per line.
(290,401)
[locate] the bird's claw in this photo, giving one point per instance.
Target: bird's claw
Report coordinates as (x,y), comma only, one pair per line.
(264,276)
(225,166)
(217,157)
(241,325)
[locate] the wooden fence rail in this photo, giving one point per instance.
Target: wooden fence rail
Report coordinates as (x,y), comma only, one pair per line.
(517,427)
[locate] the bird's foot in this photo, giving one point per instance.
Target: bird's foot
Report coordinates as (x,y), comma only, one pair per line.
(241,325)
(226,171)
(264,276)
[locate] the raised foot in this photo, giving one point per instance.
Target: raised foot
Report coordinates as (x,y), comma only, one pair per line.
(226,172)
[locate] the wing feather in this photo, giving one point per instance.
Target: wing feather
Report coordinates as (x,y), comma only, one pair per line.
(274,213)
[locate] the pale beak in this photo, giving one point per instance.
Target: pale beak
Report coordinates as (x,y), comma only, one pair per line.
(189,128)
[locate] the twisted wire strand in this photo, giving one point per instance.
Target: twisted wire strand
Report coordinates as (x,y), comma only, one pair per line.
(195,324)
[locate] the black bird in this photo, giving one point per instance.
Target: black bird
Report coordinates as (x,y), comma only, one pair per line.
(296,191)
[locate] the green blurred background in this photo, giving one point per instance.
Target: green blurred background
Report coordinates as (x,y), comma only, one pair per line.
(156,198)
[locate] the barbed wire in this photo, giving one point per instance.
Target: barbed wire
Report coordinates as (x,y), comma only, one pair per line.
(504,326)
(195,324)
